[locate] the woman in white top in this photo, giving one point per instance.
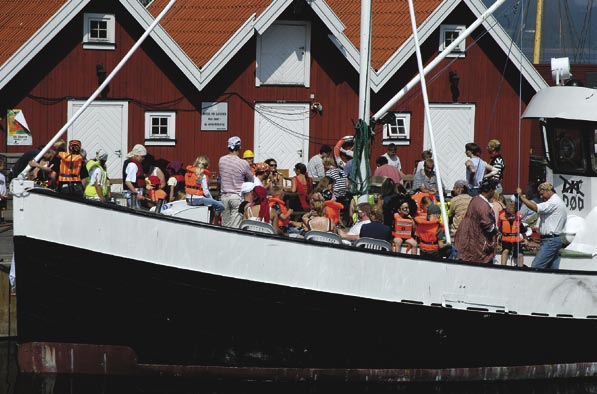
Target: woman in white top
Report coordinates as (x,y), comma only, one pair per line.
(476,168)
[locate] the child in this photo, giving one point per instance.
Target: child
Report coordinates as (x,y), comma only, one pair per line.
(154,192)
(332,207)
(430,233)
(510,225)
(404,227)
(3,193)
(276,201)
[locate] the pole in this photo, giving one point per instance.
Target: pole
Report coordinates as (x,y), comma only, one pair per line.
(538,32)
(428,117)
(364,82)
(437,60)
(101,87)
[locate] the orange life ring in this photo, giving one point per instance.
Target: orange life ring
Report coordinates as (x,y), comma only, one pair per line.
(343,150)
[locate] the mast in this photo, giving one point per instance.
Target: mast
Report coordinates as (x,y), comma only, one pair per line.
(538,32)
(101,87)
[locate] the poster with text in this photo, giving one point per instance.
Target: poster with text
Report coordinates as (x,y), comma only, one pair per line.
(18,129)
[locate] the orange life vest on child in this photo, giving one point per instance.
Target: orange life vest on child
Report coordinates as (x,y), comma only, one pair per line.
(427,234)
(156,194)
(283,210)
(403,227)
(417,197)
(190,180)
(510,230)
(70,167)
(332,210)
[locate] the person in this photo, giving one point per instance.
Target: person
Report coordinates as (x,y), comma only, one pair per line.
(3,193)
(476,168)
(246,194)
(315,219)
(552,220)
(197,188)
(496,160)
(276,201)
(511,227)
(301,185)
(249,156)
(363,212)
(427,154)
(233,172)
(98,187)
(260,210)
(43,173)
(332,207)
(426,180)
(458,205)
(393,159)
(154,191)
(69,174)
(274,178)
(132,174)
(404,226)
(151,168)
(475,239)
(261,174)
(340,186)
(376,229)
(315,167)
(387,170)
(430,233)
(498,202)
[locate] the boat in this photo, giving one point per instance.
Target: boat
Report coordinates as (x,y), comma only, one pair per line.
(200,300)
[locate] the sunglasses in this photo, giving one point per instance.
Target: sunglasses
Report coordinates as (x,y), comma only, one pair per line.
(273,165)
(404,209)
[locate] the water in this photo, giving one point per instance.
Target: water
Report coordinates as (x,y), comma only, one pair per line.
(13,383)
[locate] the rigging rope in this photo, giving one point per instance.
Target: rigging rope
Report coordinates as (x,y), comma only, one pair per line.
(359,181)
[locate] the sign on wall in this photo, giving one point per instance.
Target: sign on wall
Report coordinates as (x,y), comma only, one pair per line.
(18,129)
(214,116)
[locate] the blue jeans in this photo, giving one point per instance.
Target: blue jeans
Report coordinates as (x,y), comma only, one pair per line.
(548,255)
(196,201)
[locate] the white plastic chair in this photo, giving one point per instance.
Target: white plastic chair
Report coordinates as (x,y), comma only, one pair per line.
(372,243)
(257,226)
(322,236)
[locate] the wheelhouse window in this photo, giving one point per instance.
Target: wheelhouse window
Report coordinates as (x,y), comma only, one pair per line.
(568,151)
(99,31)
(447,35)
(396,129)
(160,128)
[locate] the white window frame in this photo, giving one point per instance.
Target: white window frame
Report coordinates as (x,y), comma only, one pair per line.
(460,50)
(170,138)
(399,132)
(108,43)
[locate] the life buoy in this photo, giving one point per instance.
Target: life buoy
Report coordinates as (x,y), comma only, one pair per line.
(343,150)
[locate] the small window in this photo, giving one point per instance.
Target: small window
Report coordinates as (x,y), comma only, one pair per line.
(98,32)
(447,35)
(160,128)
(397,130)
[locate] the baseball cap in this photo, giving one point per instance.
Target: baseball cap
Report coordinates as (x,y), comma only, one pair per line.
(246,187)
(233,142)
(101,155)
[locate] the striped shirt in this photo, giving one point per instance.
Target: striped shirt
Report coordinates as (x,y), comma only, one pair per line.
(233,172)
(340,181)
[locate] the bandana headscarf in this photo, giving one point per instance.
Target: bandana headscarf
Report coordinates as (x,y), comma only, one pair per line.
(261,198)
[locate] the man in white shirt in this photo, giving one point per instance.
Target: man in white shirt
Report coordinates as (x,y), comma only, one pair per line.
(552,220)
(393,159)
(315,167)
(363,215)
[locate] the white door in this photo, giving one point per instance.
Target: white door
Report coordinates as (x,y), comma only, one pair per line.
(104,124)
(283,54)
(282,133)
(453,127)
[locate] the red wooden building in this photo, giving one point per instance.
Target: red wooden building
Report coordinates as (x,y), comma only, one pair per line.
(281,74)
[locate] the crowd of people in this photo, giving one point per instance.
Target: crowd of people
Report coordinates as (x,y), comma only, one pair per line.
(480,220)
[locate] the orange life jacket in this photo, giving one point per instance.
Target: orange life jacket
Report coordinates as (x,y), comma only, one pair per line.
(70,167)
(332,210)
(417,197)
(427,234)
(403,227)
(510,228)
(156,194)
(190,181)
(283,210)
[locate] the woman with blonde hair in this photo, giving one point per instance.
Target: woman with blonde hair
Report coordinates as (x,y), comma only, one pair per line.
(197,189)
(316,219)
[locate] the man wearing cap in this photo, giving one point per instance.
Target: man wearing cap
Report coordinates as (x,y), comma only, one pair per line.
(249,156)
(458,205)
(98,187)
(552,220)
(233,172)
(134,179)
(69,175)
(261,173)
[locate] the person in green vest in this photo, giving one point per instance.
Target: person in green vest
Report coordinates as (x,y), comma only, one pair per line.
(98,187)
